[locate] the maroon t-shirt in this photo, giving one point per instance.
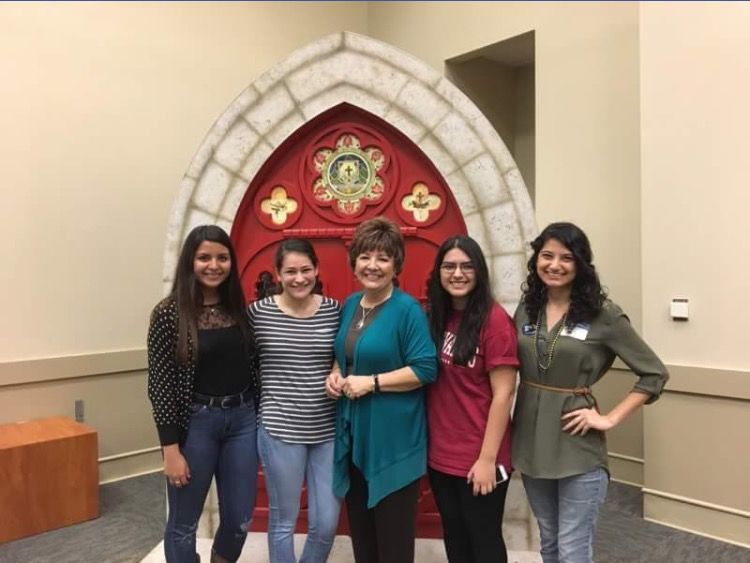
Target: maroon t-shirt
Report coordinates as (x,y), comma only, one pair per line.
(458,403)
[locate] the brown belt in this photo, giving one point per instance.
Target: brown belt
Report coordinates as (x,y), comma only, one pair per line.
(582,391)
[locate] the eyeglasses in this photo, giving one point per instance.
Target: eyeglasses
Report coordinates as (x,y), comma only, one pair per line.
(450,267)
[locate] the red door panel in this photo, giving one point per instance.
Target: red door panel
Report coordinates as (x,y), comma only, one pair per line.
(337,170)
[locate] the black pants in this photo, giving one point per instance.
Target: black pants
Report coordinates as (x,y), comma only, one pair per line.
(472,525)
(384,533)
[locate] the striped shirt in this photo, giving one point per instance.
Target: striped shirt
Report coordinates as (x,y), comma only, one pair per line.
(295,359)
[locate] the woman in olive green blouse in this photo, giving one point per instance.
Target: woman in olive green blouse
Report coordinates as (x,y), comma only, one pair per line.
(568,336)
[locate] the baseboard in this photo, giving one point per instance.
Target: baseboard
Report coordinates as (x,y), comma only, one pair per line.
(130,464)
(713,521)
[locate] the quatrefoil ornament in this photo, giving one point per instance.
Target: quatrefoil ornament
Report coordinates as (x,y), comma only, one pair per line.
(420,202)
(279,206)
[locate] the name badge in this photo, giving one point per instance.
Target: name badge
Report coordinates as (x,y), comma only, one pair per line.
(579,332)
(527,329)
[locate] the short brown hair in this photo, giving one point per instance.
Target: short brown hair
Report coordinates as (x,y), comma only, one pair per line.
(382,234)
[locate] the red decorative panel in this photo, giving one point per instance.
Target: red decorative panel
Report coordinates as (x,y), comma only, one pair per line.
(339,169)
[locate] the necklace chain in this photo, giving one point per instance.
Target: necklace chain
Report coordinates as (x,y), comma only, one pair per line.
(365,312)
(544,363)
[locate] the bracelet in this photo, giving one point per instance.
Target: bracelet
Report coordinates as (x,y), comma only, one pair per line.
(375,383)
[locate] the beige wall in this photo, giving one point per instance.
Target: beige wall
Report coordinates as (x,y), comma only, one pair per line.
(115,405)
(490,85)
(695,122)
(104,105)
(695,62)
(524,141)
(587,128)
(505,95)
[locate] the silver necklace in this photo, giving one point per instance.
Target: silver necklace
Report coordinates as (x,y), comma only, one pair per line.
(365,312)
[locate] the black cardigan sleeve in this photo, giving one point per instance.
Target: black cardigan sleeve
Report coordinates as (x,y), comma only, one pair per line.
(163,372)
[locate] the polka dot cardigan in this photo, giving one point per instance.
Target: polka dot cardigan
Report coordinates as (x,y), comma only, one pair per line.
(170,385)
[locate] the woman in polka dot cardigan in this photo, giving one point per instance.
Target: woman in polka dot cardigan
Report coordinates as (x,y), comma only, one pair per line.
(202,386)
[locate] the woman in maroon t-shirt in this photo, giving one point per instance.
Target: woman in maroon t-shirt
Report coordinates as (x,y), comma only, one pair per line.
(468,408)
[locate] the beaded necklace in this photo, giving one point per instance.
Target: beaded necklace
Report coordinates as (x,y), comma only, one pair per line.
(551,348)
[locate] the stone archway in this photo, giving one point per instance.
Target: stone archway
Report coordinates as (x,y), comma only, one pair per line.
(413,97)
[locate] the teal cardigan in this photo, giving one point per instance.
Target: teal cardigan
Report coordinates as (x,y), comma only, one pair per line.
(385,434)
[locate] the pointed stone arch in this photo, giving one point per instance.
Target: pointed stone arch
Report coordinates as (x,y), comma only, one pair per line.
(402,90)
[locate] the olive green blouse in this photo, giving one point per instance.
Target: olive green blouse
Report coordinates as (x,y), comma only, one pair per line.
(581,356)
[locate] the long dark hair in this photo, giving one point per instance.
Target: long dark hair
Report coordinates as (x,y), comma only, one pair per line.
(188,297)
(587,295)
(478,305)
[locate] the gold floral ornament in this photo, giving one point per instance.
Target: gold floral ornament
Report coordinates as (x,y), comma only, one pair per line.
(279,206)
(348,175)
(420,202)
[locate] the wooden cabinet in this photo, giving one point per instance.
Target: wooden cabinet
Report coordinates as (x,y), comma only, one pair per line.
(49,476)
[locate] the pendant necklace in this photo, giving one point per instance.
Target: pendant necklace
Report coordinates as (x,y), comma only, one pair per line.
(365,312)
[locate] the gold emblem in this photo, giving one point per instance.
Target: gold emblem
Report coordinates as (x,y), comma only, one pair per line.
(348,175)
(420,202)
(279,206)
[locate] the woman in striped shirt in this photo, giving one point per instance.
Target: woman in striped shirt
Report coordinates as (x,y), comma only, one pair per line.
(294,331)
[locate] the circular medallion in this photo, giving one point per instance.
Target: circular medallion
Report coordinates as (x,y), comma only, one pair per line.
(349,174)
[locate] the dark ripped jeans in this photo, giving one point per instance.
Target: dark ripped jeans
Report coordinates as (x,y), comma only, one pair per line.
(220,442)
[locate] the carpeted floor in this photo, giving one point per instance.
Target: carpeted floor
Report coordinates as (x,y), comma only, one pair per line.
(130,525)
(132,519)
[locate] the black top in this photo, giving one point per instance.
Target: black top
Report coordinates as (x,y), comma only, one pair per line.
(170,384)
(222,362)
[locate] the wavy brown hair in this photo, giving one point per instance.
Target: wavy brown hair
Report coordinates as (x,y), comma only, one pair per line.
(381,234)
(587,295)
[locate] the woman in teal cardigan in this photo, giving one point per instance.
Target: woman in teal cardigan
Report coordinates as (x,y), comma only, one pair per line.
(384,356)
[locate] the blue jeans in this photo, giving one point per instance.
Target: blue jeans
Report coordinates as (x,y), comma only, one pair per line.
(220,442)
(286,466)
(566,511)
